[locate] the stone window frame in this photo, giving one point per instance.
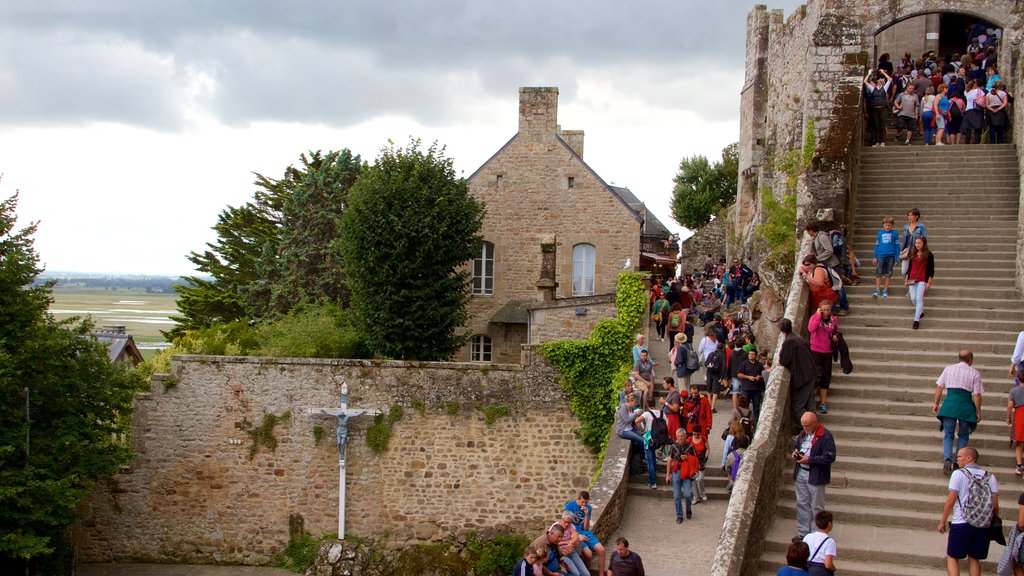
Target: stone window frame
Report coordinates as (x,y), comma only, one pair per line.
(483,271)
(481,349)
(583,269)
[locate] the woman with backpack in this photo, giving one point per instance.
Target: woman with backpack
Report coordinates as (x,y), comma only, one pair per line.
(684,360)
(676,324)
(817,279)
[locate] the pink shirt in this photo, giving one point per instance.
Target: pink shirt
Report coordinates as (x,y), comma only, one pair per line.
(821,334)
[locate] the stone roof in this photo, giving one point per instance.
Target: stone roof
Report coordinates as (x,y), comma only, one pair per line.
(652,226)
(118,344)
(511,313)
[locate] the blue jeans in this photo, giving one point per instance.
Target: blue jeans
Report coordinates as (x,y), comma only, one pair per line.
(948,428)
(755,400)
(575,564)
(929,130)
(638,442)
(916,293)
(681,488)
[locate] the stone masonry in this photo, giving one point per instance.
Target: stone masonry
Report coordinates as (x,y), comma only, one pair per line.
(539,192)
(192,493)
(809,68)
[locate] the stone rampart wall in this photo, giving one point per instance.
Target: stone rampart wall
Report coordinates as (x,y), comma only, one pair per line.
(194,494)
(709,239)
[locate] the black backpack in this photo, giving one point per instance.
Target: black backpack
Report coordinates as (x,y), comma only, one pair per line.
(659,432)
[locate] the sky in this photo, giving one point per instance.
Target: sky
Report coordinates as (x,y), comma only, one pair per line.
(127,126)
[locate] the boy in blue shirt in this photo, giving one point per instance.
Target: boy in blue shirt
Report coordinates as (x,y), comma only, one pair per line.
(581,509)
(887,248)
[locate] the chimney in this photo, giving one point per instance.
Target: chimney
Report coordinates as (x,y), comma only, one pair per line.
(538,113)
(574,138)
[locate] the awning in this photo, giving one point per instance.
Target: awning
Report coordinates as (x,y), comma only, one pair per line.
(659,259)
(511,313)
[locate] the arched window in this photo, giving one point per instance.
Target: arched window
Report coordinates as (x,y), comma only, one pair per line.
(583,257)
(480,349)
(483,271)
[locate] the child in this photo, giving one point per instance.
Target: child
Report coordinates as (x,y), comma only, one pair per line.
(822,546)
(887,248)
(529,565)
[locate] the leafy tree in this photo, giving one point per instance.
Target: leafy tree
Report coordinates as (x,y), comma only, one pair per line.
(64,408)
(702,188)
(277,251)
(409,228)
(310,268)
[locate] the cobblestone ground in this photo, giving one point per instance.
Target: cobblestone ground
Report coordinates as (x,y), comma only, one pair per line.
(177,570)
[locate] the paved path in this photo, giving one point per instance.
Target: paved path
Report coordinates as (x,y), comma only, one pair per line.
(177,570)
(667,548)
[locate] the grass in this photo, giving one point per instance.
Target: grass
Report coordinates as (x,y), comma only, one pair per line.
(144,315)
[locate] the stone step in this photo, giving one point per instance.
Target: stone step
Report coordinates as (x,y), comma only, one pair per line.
(896,446)
(944,301)
(962,329)
(771,561)
(912,342)
(897,206)
(868,380)
(950,262)
(926,363)
(905,550)
(921,431)
(988,167)
(877,515)
(949,272)
(962,152)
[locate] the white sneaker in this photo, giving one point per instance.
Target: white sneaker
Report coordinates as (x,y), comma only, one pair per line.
(940,143)
(881,143)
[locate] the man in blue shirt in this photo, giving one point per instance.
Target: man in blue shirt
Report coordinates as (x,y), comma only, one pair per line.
(582,510)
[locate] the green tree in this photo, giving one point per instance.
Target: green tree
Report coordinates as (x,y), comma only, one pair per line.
(65,413)
(276,252)
(409,228)
(703,188)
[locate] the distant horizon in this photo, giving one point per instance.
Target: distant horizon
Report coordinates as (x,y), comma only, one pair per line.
(93,274)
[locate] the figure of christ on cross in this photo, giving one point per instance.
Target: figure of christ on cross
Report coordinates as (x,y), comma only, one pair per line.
(343,415)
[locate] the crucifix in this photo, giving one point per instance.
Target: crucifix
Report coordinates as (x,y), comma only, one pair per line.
(343,415)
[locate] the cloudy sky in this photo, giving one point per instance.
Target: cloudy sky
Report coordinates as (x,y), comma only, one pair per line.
(127,126)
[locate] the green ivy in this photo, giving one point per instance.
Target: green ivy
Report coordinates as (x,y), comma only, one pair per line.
(318,435)
(263,435)
(778,226)
(492,413)
(378,435)
(419,406)
(592,369)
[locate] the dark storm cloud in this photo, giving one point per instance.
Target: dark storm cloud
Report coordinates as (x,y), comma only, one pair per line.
(337,63)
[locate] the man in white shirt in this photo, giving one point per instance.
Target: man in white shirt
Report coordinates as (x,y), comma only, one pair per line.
(966,540)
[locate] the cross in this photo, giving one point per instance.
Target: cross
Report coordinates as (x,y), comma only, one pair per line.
(343,416)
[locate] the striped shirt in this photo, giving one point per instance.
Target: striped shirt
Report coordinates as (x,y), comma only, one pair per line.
(961,376)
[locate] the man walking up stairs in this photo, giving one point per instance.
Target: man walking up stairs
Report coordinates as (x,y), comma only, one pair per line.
(888,485)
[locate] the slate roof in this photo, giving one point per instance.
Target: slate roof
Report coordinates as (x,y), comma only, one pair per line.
(117,344)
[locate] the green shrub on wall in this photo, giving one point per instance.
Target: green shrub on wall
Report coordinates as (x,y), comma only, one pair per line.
(591,368)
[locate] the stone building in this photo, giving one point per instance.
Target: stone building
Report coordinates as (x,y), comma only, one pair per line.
(556,237)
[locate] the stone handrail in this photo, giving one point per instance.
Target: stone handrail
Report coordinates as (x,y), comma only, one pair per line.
(758,486)
(608,496)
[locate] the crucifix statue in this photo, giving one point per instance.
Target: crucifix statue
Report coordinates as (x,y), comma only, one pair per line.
(343,415)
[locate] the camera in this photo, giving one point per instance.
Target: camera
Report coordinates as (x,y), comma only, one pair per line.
(798,455)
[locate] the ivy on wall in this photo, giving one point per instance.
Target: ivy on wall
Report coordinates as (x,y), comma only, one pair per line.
(593,370)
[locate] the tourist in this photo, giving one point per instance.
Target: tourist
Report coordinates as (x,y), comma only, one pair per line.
(998,116)
(796,560)
(818,281)
(821,562)
(567,544)
(878,103)
(966,540)
(954,127)
(745,415)
(701,447)
(671,406)
(940,111)
(906,107)
(679,360)
(1008,564)
(826,256)
(660,315)
(887,248)
(751,381)
(530,563)
(582,511)
(962,407)
(919,277)
(795,356)
(912,230)
(683,465)
(824,331)
(676,324)
(640,345)
(1015,419)
(927,118)
(812,470)
(735,431)
(714,373)
(974,118)
(623,562)
(643,371)
(546,546)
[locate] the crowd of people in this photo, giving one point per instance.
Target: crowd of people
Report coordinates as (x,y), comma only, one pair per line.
(950,99)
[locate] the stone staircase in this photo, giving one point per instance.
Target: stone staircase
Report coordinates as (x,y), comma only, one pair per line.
(887,486)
